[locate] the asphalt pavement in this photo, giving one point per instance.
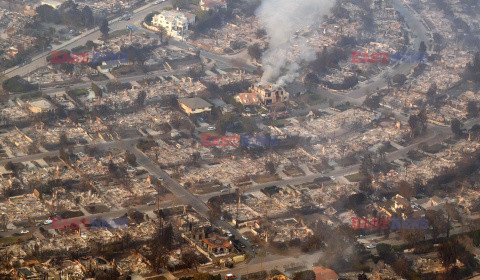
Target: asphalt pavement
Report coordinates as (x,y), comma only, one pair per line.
(182,194)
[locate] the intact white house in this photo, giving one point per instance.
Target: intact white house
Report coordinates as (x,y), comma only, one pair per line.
(52,3)
(207,5)
(175,23)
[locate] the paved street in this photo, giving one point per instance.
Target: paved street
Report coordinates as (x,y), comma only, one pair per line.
(92,34)
(135,20)
(183,196)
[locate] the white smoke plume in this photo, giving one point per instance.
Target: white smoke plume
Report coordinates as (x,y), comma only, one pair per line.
(285,21)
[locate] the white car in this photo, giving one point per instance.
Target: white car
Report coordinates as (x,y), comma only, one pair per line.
(23,231)
(371,246)
(211,128)
(48,222)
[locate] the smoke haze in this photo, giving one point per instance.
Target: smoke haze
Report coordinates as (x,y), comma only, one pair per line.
(284,20)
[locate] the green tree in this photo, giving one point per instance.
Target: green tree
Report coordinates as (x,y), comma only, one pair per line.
(372,102)
(423,47)
(97,90)
(362,276)
(399,79)
(413,123)
(149,18)
(260,33)
(17,84)
(456,127)
(472,109)
(163,34)
(432,90)
(63,140)
(47,13)
(255,51)
(9,166)
(386,253)
(70,14)
(180,4)
(366,167)
(90,44)
(87,17)
(140,101)
(104,29)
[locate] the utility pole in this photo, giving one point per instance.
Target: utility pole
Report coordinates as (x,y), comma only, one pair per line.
(158,198)
(238,206)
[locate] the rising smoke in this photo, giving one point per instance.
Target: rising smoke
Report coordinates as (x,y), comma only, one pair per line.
(285,21)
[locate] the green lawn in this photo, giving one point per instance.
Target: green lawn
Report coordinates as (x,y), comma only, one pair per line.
(118,33)
(30,95)
(79,92)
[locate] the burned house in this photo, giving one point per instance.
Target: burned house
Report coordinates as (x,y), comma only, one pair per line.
(196,228)
(271,94)
(218,245)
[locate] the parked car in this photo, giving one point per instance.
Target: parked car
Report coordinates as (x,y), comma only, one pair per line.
(371,246)
(151,203)
(48,222)
(23,231)
(211,128)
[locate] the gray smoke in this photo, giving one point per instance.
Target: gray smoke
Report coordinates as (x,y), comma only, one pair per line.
(285,21)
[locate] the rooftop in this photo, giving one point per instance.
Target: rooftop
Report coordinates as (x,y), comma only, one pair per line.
(194,103)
